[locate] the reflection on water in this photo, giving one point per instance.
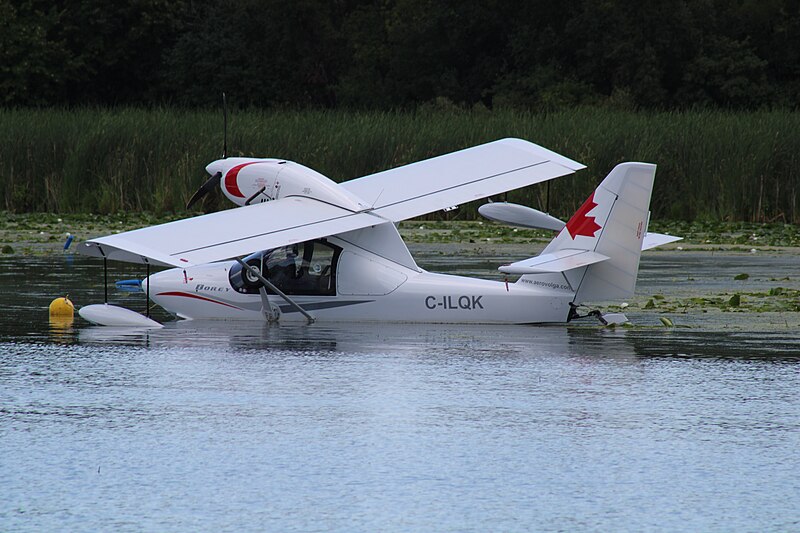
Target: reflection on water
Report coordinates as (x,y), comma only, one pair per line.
(366,337)
(392,427)
(62,330)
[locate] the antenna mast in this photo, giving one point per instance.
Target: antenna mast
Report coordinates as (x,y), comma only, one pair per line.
(225,126)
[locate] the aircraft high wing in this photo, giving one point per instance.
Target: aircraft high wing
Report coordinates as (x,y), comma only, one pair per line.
(229,233)
(305,205)
(459,177)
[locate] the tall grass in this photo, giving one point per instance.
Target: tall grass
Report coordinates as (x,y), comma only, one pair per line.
(712,165)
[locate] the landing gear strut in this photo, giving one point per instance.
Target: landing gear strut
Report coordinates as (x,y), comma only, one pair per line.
(607,319)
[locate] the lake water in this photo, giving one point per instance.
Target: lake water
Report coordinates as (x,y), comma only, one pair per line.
(249,427)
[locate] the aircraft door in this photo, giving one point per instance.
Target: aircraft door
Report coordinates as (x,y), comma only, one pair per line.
(360,275)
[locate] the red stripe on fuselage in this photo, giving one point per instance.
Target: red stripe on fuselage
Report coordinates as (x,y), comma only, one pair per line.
(197,297)
(230,179)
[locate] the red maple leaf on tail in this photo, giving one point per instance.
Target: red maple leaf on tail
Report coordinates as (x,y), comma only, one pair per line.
(581,223)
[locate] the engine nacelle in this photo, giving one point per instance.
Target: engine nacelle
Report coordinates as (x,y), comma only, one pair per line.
(243,179)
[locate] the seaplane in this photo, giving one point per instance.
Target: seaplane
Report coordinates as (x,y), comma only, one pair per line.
(301,247)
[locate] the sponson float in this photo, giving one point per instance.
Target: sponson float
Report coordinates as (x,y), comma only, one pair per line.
(302,247)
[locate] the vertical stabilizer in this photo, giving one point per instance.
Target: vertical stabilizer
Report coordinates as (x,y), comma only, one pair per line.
(612,222)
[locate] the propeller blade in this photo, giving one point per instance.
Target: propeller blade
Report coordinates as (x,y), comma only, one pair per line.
(204,189)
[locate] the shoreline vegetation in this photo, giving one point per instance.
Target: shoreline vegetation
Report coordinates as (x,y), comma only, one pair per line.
(719,167)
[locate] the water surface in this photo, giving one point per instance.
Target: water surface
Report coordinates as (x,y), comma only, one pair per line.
(248,427)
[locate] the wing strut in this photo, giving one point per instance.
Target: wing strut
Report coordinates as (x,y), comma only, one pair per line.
(277,291)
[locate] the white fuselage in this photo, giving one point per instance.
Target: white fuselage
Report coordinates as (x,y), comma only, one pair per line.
(365,285)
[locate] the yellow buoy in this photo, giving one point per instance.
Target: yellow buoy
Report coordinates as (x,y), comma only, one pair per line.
(62,307)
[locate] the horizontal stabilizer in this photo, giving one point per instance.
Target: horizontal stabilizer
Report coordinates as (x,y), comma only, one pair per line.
(558,261)
(651,240)
(527,217)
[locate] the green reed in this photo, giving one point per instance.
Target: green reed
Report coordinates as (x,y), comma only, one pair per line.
(713,165)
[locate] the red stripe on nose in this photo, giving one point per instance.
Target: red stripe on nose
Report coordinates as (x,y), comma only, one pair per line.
(231,184)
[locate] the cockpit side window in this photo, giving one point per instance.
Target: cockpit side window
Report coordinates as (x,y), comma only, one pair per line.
(307,268)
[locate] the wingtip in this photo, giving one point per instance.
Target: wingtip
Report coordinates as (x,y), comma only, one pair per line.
(528,146)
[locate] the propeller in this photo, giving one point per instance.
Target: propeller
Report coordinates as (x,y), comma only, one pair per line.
(212,182)
(204,189)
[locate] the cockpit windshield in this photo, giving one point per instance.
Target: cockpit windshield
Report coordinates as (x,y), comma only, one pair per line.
(302,268)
